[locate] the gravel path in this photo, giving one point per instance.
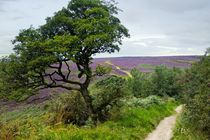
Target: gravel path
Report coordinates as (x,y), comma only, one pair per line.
(164,131)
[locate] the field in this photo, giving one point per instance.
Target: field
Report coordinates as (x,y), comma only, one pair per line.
(145,64)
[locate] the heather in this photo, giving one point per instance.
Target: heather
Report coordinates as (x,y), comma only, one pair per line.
(52,87)
(128,107)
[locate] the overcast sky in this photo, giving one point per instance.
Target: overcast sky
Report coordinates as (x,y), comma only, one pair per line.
(157,27)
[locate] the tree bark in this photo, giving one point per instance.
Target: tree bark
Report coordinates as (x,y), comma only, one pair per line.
(89,103)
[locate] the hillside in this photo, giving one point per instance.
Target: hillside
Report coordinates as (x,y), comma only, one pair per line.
(120,66)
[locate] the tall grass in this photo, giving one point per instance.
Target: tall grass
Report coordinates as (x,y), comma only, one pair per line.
(126,123)
(186,131)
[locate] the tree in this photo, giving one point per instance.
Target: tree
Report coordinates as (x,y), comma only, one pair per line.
(166,81)
(207,51)
(75,33)
(196,94)
(13,78)
(139,84)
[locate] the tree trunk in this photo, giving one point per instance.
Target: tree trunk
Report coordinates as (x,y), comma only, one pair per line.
(88,101)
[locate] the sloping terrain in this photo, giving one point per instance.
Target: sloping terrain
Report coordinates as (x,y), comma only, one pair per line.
(120,66)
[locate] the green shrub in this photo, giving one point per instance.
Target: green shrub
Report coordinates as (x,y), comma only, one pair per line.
(198,110)
(23,123)
(31,123)
(13,79)
(144,102)
(102,70)
(196,95)
(108,94)
(162,82)
(69,108)
(165,81)
(139,84)
(130,123)
(185,130)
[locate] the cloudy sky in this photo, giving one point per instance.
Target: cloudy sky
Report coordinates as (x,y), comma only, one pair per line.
(157,27)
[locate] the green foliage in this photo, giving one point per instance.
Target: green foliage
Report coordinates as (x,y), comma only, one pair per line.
(69,108)
(148,66)
(144,102)
(207,51)
(139,84)
(126,123)
(13,83)
(185,130)
(108,94)
(141,116)
(20,94)
(162,82)
(133,123)
(196,95)
(75,33)
(102,70)
(165,81)
(23,123)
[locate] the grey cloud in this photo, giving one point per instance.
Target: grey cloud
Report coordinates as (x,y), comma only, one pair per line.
(2,11)
(17,18)
(157,27)
(186,24)
(3,8)
(178,6)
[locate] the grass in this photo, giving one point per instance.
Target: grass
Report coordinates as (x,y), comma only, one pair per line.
(147,66)
(22,123)
(186,131)
(184,61)
(127,123)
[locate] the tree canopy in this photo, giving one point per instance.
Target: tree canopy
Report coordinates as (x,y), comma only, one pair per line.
(74,34)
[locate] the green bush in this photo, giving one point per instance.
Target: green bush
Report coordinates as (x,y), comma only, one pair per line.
(32,123)
(129,123)
(196,96)
(102,70)
(144,102)
(139,84)
(69,108)
(13,79)
(108,94)
(23,123)
(165,81)
(185,130)
(162,82)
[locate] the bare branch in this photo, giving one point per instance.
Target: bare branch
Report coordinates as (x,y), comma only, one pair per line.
(81,70)
(63,78)
(59,86)
(68,81)
(69,71)
(53,67)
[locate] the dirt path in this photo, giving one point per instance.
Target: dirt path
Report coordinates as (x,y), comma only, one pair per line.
(118,68)
(164,131)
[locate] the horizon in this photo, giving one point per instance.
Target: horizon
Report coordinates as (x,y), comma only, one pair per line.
(193,55)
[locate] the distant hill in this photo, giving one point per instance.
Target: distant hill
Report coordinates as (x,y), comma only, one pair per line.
(145,64)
